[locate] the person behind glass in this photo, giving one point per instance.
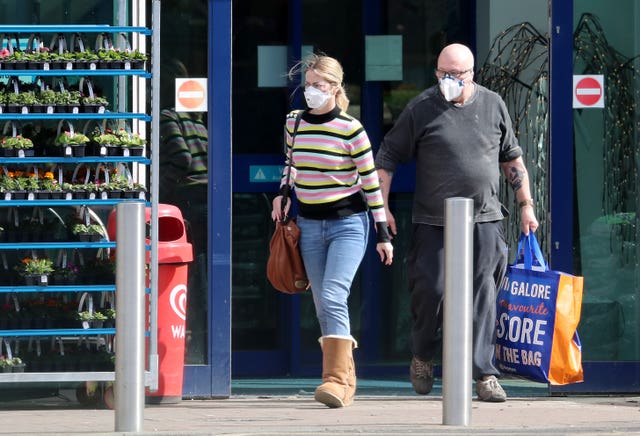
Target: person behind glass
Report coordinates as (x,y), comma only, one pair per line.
(336,185)
(460,135)
(183,163)
(183,180)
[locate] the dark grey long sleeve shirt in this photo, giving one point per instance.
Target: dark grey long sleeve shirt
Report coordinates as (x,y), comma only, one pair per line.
(458,151)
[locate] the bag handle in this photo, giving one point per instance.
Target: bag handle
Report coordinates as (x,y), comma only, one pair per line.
(287,188)
(529,245)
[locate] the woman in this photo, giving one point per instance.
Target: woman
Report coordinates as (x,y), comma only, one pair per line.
(336,185)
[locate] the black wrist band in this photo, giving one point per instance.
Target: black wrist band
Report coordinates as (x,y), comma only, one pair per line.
(382,232)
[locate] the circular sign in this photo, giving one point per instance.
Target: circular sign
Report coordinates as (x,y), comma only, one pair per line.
(588,91)
(191,94)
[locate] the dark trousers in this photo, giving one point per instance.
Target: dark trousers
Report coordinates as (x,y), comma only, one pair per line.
(426,282)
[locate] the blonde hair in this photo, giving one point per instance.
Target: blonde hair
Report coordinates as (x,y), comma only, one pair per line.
(329,69)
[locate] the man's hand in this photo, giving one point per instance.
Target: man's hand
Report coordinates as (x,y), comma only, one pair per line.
(528,219)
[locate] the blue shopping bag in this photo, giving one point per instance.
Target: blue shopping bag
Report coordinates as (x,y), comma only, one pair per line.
(538,311)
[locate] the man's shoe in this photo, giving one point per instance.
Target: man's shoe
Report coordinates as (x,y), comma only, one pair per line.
(421,374)
(490,390)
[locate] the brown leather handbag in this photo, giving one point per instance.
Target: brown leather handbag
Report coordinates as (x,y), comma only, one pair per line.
(285,268)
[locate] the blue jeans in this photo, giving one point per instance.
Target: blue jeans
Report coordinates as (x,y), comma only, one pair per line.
(332,251)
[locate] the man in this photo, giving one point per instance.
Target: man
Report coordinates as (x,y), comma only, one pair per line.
(460,135)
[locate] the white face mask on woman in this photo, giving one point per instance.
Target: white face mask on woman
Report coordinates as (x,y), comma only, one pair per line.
(316,98)
(450,87)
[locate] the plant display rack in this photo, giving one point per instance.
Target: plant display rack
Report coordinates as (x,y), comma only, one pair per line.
(68,335)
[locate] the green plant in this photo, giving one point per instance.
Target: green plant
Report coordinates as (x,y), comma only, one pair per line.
(12,182)
(87,56)
(85,315)
(48,182)
(35,266)
(24,98)
(31,183)
(5,362)
(112,54)
(118,181)
(109,313)
(99,316)
(100,101)
(133,55)
(128,139)
(68,138)
(106,138)
(96,229)
(18,142)
(16,56)
(67,56)
(67,271)
(92,229)
(68,97)
(47,96)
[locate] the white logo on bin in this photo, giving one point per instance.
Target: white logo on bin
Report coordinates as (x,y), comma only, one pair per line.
(178,301)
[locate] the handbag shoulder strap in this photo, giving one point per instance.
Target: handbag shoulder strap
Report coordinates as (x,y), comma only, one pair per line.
(293,141)
(287,191)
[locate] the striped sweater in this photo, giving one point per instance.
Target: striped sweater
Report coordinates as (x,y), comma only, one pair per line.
(332,166)
(183,154)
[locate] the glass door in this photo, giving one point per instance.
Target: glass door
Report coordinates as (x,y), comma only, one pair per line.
(606,48)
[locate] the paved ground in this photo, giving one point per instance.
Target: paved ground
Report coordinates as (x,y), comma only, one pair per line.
(301,415)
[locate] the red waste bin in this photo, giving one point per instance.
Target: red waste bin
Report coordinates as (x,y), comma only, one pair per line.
(174,254)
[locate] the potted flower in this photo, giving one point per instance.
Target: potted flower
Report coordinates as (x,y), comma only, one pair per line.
(88,233)
(20,102)
(66,275)
(48,183)
(71,138)
(17,365)
(48,99)
(110,58)
(87,59)
(13,185)
(95,104)
(72,143)
(133,59)
(35,270)
(132,143)
(68,101)
(20,145)
(110,317)
(91,319)
(6,364)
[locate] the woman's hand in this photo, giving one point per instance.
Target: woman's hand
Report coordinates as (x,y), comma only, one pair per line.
(276,212)
(385,250)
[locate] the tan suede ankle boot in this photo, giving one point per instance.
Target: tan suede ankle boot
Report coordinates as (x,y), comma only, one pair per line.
(338,372)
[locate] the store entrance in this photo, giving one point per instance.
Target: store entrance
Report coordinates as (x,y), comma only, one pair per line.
(275,334)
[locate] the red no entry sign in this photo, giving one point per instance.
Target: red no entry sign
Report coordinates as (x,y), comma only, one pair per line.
(191,95)
(588,91)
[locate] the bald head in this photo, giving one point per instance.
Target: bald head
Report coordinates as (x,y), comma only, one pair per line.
(456,61)
(455,57)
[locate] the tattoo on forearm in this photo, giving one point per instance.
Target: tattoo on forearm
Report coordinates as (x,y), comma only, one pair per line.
(516,175)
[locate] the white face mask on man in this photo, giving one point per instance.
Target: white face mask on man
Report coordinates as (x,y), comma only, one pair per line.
(450,87)
(316,98)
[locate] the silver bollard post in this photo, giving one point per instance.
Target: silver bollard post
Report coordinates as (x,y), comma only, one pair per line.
(458,312)
(130,309)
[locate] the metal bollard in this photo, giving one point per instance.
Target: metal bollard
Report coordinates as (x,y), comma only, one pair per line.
(130,308)
(458,313)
